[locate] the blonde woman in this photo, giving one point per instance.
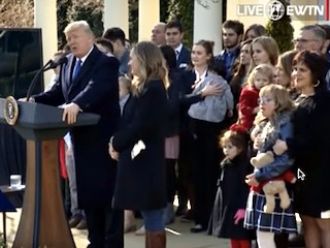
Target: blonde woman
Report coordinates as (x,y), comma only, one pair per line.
(264,50)
(139,145)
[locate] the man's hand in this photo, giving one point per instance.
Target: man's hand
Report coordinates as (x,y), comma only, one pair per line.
(70,112)
(113,153)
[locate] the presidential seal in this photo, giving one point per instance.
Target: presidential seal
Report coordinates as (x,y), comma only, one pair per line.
(11,111)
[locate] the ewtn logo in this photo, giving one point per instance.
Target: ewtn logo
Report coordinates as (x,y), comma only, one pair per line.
(275,10)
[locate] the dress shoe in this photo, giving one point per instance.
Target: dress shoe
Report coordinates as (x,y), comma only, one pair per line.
(74,221)
(82,225)
(197,229)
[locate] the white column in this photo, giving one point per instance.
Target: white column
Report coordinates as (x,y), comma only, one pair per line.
(148,17)
(45,17)
(208,21)
(116,15)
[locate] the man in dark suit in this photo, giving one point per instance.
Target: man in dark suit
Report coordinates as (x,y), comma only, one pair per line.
(174,36)
(232,34)
(89,83)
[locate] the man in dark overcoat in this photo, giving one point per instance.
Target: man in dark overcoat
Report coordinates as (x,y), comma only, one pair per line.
(89,83)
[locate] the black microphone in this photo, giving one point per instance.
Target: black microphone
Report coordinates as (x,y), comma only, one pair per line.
(51,64)
(56,63)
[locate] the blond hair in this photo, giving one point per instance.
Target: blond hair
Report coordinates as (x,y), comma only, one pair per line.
(269,45)
(280,96)
(152,66)
(265,69)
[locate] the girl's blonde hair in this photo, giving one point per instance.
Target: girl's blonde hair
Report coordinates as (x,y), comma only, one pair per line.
(152,66)
(281,97)
(269,45)
(265,69)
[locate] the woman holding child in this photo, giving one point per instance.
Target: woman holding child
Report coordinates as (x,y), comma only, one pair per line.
(310,147)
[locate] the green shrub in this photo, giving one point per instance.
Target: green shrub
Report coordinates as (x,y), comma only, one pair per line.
(281,31)
(74,10)
(183,11)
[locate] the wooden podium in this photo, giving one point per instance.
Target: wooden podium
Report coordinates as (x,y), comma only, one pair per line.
(43,222)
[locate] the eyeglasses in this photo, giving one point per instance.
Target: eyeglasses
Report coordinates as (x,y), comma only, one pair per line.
(265,100)
(298,40)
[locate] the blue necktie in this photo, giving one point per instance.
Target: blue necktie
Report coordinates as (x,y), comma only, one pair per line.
(177,53)
(76,69)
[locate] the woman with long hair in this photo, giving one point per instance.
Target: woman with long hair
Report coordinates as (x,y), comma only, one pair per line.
(139,144)
(206,121)
(264,50)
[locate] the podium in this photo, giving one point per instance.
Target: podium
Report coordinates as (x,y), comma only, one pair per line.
(43,222)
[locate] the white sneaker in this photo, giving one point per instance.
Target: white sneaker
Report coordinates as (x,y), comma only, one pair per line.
(140,231)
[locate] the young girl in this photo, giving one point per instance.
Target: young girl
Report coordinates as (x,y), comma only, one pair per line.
(264,50)
(275,112)
(229,206)
(260,76)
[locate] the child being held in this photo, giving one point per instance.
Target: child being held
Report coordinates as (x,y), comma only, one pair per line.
(260,76)
(229,206)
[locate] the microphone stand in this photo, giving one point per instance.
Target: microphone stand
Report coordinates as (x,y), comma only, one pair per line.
(36,226)
(36,78)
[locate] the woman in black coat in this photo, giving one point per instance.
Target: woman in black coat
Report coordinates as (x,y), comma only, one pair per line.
(139,145)
(310,147)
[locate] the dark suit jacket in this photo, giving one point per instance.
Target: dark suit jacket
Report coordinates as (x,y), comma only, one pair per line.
(184,58)
(95,90)
(141,181)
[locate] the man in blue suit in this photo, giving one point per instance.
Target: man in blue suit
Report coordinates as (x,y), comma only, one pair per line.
(174,36)
(89,83)
(232,34)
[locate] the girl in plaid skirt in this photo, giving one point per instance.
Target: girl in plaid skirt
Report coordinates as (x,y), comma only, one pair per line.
(274,113)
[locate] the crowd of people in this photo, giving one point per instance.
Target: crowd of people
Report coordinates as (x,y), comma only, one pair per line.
(226,134)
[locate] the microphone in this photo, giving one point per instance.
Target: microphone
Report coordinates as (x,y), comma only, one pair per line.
(51,64)
(55,63)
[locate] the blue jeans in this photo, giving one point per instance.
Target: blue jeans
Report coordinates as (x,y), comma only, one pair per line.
(154,219)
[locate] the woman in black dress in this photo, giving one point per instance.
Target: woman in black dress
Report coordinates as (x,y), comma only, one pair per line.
(310,147)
